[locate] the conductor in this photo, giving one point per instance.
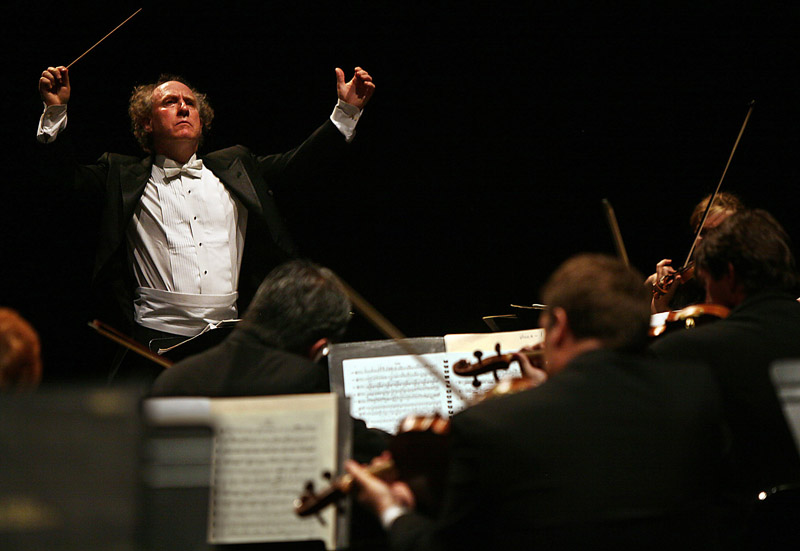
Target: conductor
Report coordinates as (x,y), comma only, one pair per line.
(184,240)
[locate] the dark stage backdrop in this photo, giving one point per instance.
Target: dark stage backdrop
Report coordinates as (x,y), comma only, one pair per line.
(493,136)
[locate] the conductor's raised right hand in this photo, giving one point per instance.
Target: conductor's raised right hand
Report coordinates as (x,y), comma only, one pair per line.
(54,86)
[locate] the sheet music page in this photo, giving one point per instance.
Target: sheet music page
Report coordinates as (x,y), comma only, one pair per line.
(510,341)
(384,390)
(785,376)
(265,451)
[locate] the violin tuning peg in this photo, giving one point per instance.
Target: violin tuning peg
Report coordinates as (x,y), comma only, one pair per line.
(497,349)
(310,487)
(327,475)
(478,354)
(475,382)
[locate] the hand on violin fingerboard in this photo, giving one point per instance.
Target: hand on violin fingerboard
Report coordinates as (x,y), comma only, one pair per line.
(664,272)
(378,495)
(532,366)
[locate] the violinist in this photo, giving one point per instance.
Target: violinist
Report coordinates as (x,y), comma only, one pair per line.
(684,289)
(747,265)
(600,455)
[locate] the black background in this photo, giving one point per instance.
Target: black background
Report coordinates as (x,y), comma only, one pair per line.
(494,134)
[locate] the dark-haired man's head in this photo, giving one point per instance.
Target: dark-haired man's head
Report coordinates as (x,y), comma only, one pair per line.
(593,301)
(300,307)
(748,252)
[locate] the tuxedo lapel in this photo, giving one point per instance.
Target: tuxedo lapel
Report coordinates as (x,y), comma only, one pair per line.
(133,179)
(124,195)
(234,176)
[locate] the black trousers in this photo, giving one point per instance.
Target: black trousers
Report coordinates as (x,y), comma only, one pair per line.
(129,366)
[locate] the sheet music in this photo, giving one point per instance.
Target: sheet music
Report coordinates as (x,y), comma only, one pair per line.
(509,341)
(265,451)
(384,390)
(785,376)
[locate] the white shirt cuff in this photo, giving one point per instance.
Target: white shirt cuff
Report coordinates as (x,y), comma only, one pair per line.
(391,514)
(345,117)
(51,123)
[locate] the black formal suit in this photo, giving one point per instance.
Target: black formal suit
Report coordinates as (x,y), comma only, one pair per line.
(113,187)
(615,451)
(740,349)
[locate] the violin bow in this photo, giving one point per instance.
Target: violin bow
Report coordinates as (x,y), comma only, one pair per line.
(129,343)
(612,223)
(719,185)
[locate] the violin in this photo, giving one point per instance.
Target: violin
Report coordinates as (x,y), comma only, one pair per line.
(662,286)
(492,363)
(418,457)
(419,450)
(690,317)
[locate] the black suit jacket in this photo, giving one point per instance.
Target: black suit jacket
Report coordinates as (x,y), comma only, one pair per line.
(242,366)
(740,349)
(615,451)
(114,185)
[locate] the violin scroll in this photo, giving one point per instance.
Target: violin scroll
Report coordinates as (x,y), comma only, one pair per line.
(418,456)
(492,363)
(662,286)
(311,503)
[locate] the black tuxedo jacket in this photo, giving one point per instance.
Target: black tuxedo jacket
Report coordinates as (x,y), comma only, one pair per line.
(242,366)
(111,188)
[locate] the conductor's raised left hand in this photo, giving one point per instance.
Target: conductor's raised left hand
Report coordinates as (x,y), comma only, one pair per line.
(358,90)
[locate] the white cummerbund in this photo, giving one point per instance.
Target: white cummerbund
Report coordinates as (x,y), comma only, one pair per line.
(181,313)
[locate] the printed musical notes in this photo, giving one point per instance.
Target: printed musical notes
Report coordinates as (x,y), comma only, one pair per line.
(264,450)
(384,390)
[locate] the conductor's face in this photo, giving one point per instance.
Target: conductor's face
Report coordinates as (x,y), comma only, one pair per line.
(175,117)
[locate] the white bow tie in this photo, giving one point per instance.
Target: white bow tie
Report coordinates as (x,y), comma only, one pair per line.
(193,169)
